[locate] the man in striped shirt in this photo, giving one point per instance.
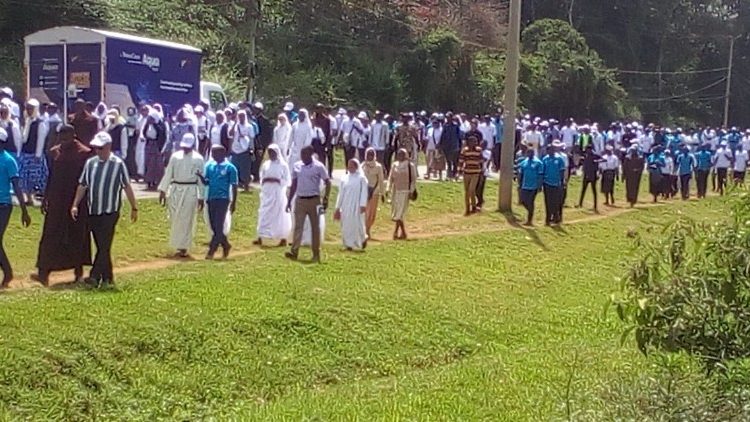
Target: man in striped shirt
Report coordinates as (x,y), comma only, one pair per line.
(103,179)
(470,165)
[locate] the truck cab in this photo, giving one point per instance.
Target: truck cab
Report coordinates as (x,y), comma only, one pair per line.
(213,94)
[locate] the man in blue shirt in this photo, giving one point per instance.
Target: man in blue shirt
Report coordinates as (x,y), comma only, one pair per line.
(220,176)
(9,182)
(702,168)
(553,178)
(530,174)
(685,164)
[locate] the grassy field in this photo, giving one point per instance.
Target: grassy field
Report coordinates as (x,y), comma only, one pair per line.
(472,320)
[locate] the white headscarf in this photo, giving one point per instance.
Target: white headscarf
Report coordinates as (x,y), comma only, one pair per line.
(280,157)
(30,118)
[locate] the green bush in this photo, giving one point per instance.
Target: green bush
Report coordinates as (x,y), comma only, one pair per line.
(689,291)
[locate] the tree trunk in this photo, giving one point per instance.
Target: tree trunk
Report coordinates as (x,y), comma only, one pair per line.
(249,29)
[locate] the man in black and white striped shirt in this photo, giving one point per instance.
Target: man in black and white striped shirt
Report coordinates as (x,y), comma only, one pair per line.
(104,178)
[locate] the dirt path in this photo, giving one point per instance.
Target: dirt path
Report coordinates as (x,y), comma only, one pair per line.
(430,230)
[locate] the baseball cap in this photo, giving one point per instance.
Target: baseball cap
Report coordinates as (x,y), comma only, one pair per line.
(289,106)
(188,140)
(101,139)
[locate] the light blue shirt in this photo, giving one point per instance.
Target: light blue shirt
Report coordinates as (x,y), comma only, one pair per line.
(8,172)
(308,178)
(531,171)
(220,177)
(553,169)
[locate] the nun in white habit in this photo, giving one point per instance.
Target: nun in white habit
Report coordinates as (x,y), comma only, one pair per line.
(302,136)
(282,133)
(273,220)
(351,206)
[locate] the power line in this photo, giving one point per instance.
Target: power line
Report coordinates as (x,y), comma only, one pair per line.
(683,72)
(682,96)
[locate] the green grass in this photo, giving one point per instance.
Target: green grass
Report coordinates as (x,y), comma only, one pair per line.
(485,326)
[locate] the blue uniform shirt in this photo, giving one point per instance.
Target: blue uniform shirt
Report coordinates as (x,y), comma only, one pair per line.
(553,168)
(531,171)
(220,177)
(685,162)
(8,172)
(703,160)
(655,162)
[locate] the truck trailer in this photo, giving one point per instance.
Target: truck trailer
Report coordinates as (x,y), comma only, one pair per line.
(69,62)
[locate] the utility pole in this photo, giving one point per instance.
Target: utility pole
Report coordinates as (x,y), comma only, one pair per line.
(512,58)
(729,80)
(249,29)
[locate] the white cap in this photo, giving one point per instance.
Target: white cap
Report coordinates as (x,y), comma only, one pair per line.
(289,106)
(7,91)
(188,140)
(258,105)
(342,111)
(3,135)
(362,115)
(101,139)
(33,102)
(199,109)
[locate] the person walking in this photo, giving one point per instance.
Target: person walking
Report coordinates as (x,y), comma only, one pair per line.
(274,222)
(306,179)
(739,167)
(610,167)
(180,189)
(632,171)
(402,184)
(685,163)
(243,148)
(590,165)
(703,159)
(351,206)
(552,180)
(530,174)
(65,244)
(103,180)
(375,175)
(221,179)
(9,182)
(470,166)
(450,144)
(722,161)
(32,163)
(155,137)
(656,162)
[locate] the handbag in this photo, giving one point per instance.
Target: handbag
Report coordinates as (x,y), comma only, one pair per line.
(413,195)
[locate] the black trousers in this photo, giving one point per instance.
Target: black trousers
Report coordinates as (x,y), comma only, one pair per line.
(721,175)
(701,180)
(496,154)
(480,190)
(329,161)
(103,230)
(553,203)
(5,211)
(349,153)
(451,158)
(528,197)
(739,177)
(217,214)
(685,185)
(585,186)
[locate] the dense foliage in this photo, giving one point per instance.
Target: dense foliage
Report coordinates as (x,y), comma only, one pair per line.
(690,290)
(440,54)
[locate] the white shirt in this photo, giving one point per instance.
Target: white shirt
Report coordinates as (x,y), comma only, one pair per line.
(243,135)
(723,158)
(610,162)
(533,140)
(668,165)
(378,135)
(353,132)
(740,160)
(216,134)
(433,137)
(488,133)
(568,134)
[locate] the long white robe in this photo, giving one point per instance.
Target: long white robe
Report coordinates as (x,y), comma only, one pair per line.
(182,198)
(302,136)
(273,220)
(281,135)
(352,197)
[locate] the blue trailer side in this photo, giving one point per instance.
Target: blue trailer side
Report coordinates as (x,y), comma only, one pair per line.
(149,73)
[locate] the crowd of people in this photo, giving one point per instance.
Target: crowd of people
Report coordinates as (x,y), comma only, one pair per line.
(198,159)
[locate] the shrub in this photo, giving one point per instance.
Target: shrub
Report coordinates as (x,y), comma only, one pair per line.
(689,291)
